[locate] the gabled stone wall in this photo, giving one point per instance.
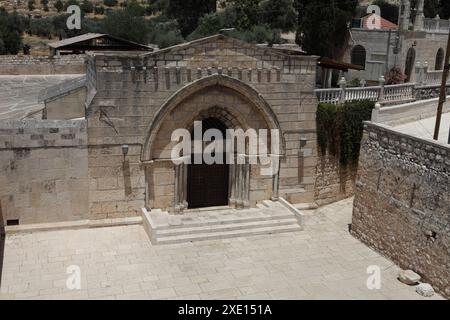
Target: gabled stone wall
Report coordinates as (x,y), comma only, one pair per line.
(402,202)
(131,90)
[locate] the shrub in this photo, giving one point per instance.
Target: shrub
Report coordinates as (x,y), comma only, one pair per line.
(395,76)
(110,3)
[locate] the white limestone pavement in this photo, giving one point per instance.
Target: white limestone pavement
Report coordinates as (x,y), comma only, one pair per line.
(322,262)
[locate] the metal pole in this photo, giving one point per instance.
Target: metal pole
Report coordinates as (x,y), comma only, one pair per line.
(442,95)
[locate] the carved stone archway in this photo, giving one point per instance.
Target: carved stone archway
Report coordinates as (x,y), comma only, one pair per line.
(239,172)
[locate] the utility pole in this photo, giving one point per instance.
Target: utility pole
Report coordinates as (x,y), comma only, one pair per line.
(443,94)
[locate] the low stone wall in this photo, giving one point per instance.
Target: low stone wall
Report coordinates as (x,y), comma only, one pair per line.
(402,202)
(333,183)
(28,65)
(44,171)
(408,112)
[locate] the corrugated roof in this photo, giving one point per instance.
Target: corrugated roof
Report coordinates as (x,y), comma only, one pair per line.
(89,36)
(83,37)
(368,23)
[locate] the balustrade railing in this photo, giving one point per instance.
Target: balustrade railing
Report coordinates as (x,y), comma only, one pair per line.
(384,94)
(436,25)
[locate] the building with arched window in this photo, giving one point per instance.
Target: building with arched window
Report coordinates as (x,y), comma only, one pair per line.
(439,65)
(359,56)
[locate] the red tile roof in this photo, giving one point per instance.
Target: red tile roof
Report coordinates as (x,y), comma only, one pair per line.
(368,23)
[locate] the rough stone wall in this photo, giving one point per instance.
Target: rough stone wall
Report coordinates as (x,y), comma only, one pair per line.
(333,183)
(44,171)
(402,202)
(26,65)
(130,89)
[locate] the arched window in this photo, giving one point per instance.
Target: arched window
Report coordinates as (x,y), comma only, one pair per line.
(359,56)
(439,60)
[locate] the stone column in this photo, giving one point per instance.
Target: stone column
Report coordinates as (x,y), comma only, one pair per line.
(381,81)
(180,202)
(419,20)
(343,85)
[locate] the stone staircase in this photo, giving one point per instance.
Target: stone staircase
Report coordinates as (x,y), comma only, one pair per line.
(221,222)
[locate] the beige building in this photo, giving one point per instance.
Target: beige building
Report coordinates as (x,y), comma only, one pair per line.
(103,146)
(416,42)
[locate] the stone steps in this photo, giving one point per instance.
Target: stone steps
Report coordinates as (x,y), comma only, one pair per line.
(214,235)
(219,223)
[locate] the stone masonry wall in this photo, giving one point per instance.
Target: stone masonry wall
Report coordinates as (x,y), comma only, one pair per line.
(44,174)
(333,183)
(402,202)
(25,65)
(130,89)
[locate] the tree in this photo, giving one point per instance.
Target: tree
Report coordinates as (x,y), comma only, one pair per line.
(188,13)
(99,10)
(164,33)
(30,5)
(59,5)
(70,3)
(87,6)
(431,8)
(248,13)
(322,26)
(124,24)
(389,11)
(444,6)
(10,33)
(110,3)
(279,14)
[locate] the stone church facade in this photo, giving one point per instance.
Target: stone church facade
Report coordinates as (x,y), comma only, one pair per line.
(133,104)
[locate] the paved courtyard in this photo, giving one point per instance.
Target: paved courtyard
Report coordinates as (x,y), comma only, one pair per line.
(19,94)
(425,128)
(322,262)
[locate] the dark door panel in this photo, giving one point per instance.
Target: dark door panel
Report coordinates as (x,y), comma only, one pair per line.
(207,185)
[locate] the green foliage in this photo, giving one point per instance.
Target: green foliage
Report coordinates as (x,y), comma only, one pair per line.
(42,27)
(444,9)
(110,3)
(87,6)
(124,24)
(11,28)
(279,14)
(389,11)
(188,13)
(59,5)
(340,129)
(258,34)
(31,5)
(164,33)
(322,25)
(70,3)
(248,13)
(99,10)
(354,83)
(135,8)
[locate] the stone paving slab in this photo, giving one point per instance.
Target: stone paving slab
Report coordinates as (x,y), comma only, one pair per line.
(425,128)
(322,262)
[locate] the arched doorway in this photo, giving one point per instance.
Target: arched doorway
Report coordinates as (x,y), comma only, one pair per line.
(208,184)
(439,65)
(410,61)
